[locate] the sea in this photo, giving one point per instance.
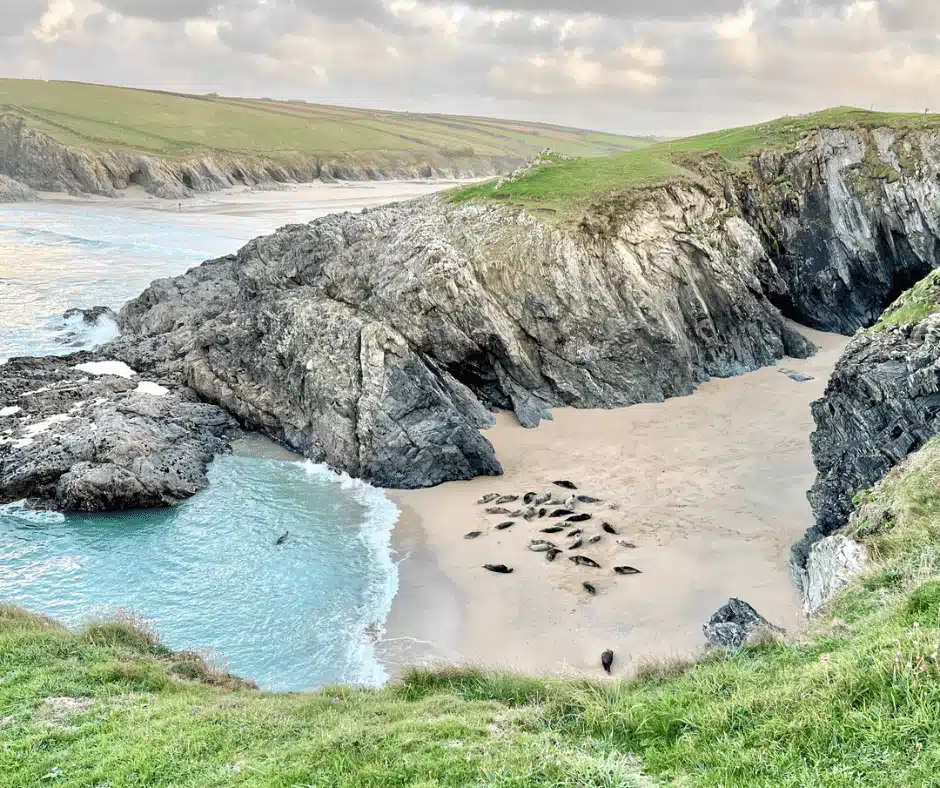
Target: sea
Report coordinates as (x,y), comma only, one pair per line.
(207,573)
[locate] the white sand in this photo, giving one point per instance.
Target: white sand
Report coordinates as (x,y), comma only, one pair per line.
(711,488)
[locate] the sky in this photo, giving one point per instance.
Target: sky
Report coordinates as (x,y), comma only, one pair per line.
(666,67)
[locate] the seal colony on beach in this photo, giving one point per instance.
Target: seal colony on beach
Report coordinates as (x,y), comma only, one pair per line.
(572,514)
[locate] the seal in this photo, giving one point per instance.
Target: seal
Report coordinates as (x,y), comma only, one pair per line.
(627,570)
(543,498)
(497,510)
(578,541)
(609,528)
(607,659)
(505,525)
(473,535)
(542,512)
(566,484)
(530,513)
(500,569)
(488,498)
(588,499)
(589,588)
(506,499)
(282,539)
(571,502)
(594,539)
(541,546)
(578,518)
(529,497)
(575,532)
(553,529)
(628,545)
(561,513)
(552,554)
(583,560)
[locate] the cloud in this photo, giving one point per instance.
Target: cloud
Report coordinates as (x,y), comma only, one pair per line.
(644,66)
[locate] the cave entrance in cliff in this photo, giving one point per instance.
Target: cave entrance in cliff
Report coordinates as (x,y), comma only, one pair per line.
(187,180)
(136,178)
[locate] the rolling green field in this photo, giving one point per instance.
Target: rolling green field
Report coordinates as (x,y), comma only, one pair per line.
(568,188)
(100,117)
(853,702)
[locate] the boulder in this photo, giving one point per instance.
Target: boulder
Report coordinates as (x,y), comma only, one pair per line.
(734,623)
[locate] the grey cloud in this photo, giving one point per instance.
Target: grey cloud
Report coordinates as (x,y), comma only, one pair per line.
(18,15)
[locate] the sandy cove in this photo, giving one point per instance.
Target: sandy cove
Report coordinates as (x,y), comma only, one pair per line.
(711,488)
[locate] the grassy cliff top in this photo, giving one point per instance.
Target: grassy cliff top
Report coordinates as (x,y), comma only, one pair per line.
(854,702)
(100,117)
(565,189)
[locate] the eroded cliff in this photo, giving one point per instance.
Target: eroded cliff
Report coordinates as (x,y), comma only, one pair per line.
(38,161)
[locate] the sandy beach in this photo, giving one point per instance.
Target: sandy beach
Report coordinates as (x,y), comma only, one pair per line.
(710,488)
(301,202)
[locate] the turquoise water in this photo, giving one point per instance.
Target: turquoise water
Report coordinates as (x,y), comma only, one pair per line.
(207,572)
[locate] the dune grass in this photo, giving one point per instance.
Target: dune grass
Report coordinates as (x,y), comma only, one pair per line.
(567,189)
(170,124)
(853,702)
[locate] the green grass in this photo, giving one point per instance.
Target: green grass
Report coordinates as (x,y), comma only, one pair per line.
(568,190)
(914,305)
(169,124)
(853,702)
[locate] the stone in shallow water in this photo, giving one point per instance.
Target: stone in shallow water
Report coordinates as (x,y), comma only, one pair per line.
(734,622)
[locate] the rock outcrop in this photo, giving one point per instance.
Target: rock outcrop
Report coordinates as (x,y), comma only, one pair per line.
(850,221)
(85,441)
(14,191)
(734,624)
(378,342)
(831,565)
(39,161)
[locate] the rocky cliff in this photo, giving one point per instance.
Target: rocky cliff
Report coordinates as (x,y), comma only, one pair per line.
(14,191)
(380,342)
(881,404)
(37,160)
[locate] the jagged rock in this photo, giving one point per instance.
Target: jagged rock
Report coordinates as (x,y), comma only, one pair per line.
(377,342)
(831,565)
(80,442)
(90,317)
(882,403)
(734,623)
(847,227)
(14,191)
(37,160)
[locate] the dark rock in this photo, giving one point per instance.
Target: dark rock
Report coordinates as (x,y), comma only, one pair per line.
(90,317)
(83,443)
(734,622)
(797,376)
(882,403)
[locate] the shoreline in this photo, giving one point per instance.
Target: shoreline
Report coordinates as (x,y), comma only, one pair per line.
(247,201)
(710,487)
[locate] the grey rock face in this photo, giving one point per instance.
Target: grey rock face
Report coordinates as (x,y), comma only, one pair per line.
(734,623)
(831,565)
(882,403)
(14,191)
(378,342)
(77,442)
(848,228)
(42,163)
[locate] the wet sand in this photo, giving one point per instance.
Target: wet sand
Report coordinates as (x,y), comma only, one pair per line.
(711,488)
(294,203)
